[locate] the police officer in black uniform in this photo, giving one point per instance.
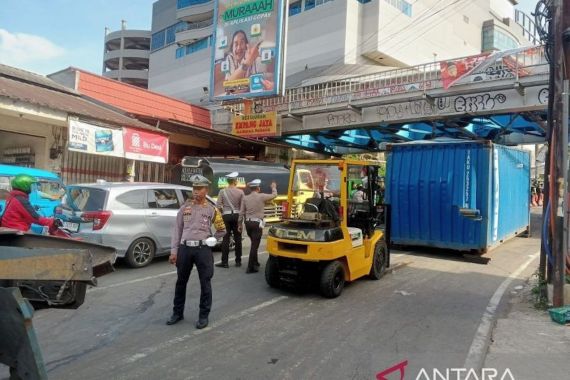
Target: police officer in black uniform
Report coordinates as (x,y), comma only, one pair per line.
(191,242)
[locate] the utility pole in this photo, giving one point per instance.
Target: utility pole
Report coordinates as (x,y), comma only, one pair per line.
(559,150)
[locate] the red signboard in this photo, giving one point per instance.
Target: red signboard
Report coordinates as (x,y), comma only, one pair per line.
(145,146)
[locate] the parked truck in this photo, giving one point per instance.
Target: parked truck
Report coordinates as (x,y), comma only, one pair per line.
(215,170)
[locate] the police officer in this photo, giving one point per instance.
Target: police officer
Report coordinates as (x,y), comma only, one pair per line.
(229,202)
(252,210)
(191,241)
(359,195)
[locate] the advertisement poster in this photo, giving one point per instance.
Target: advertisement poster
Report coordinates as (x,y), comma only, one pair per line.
(255,125)
(247,56)
(453,71)
(145,146)
(88,138)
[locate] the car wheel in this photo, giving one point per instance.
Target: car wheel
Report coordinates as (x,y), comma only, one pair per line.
(332,279)
(379,261)
(140,253)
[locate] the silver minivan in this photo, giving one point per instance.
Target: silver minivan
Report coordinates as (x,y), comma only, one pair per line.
(134,218)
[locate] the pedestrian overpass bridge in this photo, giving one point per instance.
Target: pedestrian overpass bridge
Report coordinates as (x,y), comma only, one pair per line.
(500,97)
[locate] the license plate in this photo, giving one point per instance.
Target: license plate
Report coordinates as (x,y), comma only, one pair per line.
(73,227)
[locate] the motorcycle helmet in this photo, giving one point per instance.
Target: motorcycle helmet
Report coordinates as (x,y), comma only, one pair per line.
(23,182)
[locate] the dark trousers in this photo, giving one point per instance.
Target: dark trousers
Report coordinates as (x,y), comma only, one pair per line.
(185,260)
(231,222)
(254,232)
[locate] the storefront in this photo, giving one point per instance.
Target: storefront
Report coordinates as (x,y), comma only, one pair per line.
(35,118)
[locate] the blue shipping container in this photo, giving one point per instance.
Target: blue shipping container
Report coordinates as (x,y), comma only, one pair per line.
(458,195)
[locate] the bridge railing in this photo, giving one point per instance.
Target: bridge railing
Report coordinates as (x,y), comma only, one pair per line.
(530,61)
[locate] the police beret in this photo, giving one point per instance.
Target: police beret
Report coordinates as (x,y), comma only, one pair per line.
(232,175)
(254,183)
(199,180)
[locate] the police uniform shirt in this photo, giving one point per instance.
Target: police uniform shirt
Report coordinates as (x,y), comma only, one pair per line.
(233,195)
(253,204)
(193,222)
(359,196)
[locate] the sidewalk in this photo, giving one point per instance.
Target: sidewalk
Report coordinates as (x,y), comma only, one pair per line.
(527,342)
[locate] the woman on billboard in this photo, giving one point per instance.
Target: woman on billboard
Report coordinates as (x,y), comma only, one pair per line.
(241,61)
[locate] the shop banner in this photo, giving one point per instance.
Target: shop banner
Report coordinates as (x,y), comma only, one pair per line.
(248,52)
(255,125)
(145,146)
(88,138)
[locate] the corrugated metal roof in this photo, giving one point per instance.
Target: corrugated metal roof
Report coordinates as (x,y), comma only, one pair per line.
(43,92)
(141,102)
(33,78)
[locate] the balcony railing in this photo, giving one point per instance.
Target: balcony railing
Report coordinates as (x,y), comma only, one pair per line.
(194,25)
(417,78)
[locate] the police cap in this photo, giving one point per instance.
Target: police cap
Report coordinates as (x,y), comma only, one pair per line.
(254,183)
(199,180)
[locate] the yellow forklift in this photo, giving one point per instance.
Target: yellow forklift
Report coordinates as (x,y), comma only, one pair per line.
(334,227)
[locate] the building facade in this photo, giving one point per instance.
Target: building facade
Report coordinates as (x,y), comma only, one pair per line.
(348,36)
(126,56)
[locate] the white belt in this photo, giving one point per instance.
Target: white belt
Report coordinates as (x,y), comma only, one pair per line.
(254,220)
(229,212)
(193,243)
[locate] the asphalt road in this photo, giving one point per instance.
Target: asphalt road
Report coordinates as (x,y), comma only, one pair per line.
(426,311)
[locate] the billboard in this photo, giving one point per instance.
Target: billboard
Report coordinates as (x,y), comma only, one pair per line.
(88,138)
(248,52)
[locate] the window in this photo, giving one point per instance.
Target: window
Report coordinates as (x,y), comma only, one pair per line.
(163,198)
(198,45)
(85,198)
(494,39)
(133,199)
(171,34)
(193,47)
(295,8)
(49,189)
(364,1)
(180,52)
(186,195)
(309,4)
(157,40)
(402,5)
(188,3)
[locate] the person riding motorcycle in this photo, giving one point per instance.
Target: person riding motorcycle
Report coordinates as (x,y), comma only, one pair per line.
(19,213)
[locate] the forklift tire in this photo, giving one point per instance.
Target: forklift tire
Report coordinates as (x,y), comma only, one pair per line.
(272,272)
(332,279)
(379,261)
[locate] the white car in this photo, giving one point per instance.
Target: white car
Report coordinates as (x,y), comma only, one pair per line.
(134,218)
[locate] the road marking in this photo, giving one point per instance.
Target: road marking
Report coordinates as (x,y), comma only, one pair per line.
(230,318)
(480,343)
(98,288)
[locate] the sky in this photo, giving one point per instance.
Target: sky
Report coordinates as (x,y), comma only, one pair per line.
(45,36)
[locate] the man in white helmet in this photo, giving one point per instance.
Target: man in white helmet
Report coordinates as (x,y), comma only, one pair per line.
(252,212)
(229,202)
